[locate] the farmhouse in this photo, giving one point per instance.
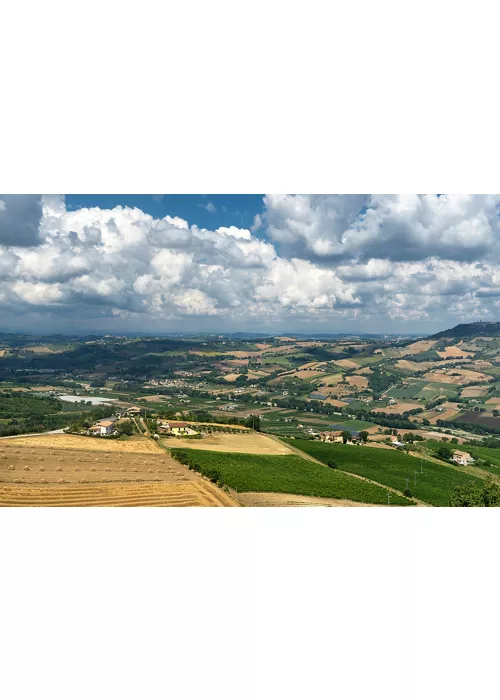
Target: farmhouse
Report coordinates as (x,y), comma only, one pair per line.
(462,458)
(133,411)
(331,436)
(103,427)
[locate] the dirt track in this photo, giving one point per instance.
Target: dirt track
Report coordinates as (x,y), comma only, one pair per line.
(291,500)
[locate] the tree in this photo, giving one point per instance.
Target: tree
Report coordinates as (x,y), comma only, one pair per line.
(474,496)
(253,421)
(126,427)
(363,436)
(345,435)
(444,452)
(426,421)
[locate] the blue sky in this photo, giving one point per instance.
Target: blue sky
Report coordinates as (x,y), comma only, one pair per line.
(205,211)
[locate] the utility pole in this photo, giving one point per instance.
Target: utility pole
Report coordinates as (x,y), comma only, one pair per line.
(388,499)
(407,481)
(415,478)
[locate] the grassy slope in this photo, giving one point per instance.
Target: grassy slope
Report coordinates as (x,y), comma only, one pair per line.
(290,474)
(390,467)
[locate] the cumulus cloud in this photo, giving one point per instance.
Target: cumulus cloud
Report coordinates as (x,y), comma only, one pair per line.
(318,261)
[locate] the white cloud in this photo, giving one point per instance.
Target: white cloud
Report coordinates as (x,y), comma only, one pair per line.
(375,259)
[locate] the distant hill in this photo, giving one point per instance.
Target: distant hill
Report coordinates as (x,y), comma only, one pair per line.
(468,330)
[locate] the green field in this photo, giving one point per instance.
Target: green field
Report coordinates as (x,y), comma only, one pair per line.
(490,454)
(392,468)
(405,392)
(289,474)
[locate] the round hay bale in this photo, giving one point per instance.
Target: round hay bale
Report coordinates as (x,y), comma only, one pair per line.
(60,459)
(59,469)
(17,481)
(157,478)
(107,469)
(26,468)
(12,467)
(92,469)
(41,469)
(77,469)
(135,469)
(83,481)
(150,471)
(122,469)
(96,459)
(40,459)
(4,456)
(44,481)
(17,452)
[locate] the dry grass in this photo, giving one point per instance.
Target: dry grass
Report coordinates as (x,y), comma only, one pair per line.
(357,381)
(290,500)
(180,494)
(254,443)
(336,403)
(78,442)
(453,351)
(472,391)
(231,377)
(418,347)
(347,364)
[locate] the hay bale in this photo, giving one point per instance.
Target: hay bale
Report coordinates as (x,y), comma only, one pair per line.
(17,481)
(60,459)
(77,469)
(92,469)
(12,467)
(26,468)
(150,471)
(59,469)
(122,469)
(107,469)
(44,481)
(61,481)
(40,459)
(83,481)
(135,469)
(41,469)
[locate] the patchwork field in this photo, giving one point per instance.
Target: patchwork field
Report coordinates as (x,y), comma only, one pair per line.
(357,381)
(253,443)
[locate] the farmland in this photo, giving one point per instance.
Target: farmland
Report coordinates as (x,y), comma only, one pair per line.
(289,474)
(68,470)
(251,443)
(434,486)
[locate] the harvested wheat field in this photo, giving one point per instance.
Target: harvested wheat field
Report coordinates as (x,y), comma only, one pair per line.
(265,500)
(472,391)
(347,364)
(306,374)
(231,377)
(453,351)
(418,347)
(493,400)
(80,442)
(357,381)
(443,378)
(189,494)
(254,443)
(31,474)
(336,402)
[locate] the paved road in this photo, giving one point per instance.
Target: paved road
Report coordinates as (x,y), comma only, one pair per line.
(47,432)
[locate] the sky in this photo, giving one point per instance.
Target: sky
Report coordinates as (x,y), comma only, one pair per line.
(407,264)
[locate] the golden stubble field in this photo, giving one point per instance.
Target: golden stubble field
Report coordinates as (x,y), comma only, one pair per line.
(64,470)
(252,443)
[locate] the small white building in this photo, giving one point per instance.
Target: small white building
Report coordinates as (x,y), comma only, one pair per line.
(103,427)
(462,458)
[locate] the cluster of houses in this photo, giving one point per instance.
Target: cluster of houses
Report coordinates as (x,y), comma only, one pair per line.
(336,436)
(462,458)
(107,426)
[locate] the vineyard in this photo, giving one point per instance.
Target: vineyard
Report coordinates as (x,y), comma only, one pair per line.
(285,474)
(20,405)
(433,485)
